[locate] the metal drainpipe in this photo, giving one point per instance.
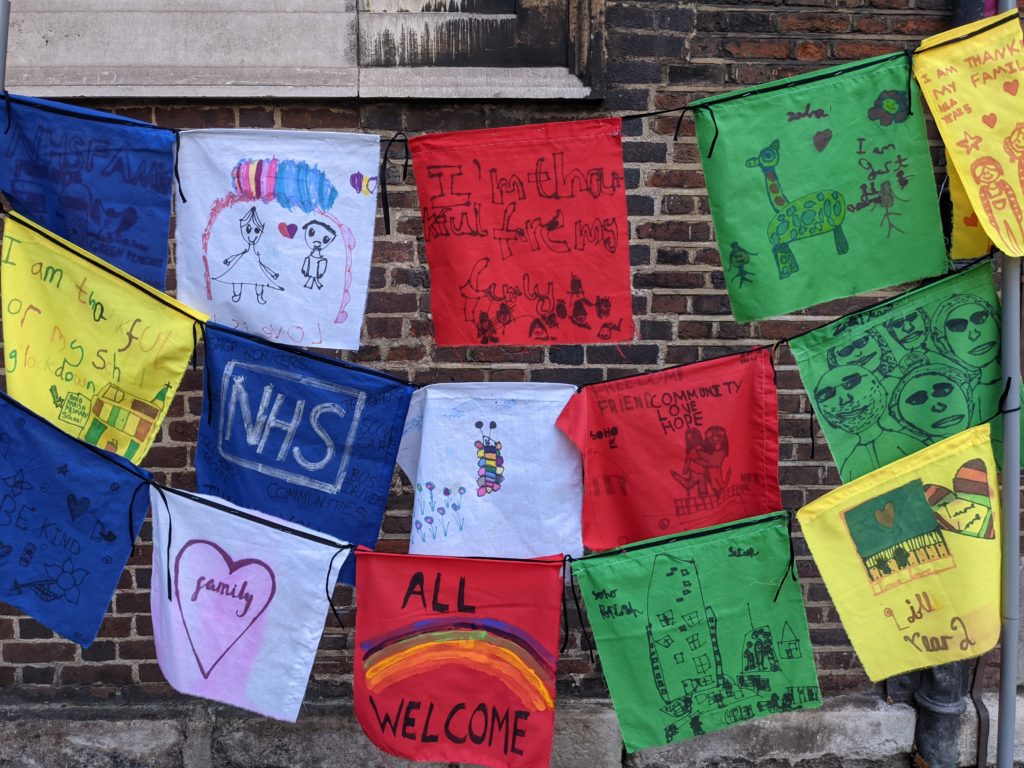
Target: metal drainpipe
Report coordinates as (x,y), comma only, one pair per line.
(939,692)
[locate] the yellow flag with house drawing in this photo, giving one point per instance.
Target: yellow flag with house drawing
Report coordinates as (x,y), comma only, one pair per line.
(88,347)
(973,80)
(910,555)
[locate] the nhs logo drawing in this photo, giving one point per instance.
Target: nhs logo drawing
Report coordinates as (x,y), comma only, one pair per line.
(289,426)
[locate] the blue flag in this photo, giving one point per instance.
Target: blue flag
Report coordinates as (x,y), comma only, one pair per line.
(68,517)
(298,436)
(101,181)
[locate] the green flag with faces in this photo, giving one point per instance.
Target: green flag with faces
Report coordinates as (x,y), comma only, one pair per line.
(820,186)
(701,630)
(906,373)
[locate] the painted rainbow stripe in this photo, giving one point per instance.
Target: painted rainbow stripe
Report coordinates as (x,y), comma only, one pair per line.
(486,647)
(290,183)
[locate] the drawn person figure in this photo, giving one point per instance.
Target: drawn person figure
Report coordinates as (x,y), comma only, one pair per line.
(246,268)
(852,398)
(967,331)
(318,236)
(933,402)
(1014,146)
(866,350)
(998,199)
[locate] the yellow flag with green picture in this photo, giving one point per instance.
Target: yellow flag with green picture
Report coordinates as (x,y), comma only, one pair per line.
(910,555)
(88,347)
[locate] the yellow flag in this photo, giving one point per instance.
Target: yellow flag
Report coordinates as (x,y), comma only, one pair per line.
(969,239)
(87,346)
(975,90)
(910,555)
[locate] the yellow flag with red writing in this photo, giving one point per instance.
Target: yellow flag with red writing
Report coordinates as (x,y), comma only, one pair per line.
(910,555)
(88,347)
(971,78)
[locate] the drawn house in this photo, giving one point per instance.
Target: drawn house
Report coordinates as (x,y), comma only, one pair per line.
(898,538)
(120,422)
(789,645)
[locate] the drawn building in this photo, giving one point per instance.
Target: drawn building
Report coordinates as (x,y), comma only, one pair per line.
(120,422)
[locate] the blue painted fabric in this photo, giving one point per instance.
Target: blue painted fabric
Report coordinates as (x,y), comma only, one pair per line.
(101,181)
(299,436)
(65,527)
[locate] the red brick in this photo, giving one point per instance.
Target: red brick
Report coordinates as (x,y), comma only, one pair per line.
(37,652)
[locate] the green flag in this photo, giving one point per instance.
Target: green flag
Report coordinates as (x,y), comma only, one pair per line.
(906,373)
(820,186)
(690,635)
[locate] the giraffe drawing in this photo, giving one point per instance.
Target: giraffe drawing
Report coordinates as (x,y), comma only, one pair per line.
(807,216)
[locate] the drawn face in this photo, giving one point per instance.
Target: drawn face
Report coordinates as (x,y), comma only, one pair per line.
(251,227)
(318,235)
(972,333)
(864,351)
(850,397)
(986,170)
(1014,143)
(934,404)
(909,330)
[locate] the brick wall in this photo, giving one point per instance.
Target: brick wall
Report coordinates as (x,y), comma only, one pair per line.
(660,54)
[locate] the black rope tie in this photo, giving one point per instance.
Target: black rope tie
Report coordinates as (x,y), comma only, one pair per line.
(131,513)
(385,205)
(197,331)
(170,533)
(579,615)
(791,565)
(10,112)
(327,583)
(714,139)
(177,177)
(566,571)
(910,82)
(810,428)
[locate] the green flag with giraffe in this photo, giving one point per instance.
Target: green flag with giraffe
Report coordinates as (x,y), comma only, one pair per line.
(820,186)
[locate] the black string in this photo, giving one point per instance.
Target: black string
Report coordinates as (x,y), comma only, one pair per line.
(810,428)
(679,123)
(197,326)
(566,571)
(131,515)
(177,153)
(579,615)
(714,139)
(580,387)
(910,81)
(170,533)
(10,114)
(103,117)
(791,565)
(383,176)
(327,584)
(969,35)
(153,293)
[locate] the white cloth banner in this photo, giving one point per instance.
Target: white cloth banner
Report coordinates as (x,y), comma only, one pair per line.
(277,233)
(239,601)
(493,475)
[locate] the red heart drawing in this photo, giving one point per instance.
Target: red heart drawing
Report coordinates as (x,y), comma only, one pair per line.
(222,598)
(1011,87)
(288,230)
(821,139)
(972,220)
(989,119)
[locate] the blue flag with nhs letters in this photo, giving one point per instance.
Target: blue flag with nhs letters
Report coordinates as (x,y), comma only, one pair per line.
(299,436)
(69,513)
(100,180)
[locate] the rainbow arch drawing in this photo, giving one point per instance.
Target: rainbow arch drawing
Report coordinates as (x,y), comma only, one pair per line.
(484,646)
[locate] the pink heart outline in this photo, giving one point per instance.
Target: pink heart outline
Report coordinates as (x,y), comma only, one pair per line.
(232,566)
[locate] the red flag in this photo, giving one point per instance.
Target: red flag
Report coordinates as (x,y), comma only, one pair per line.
(526,233)
(675,450)
(455,658)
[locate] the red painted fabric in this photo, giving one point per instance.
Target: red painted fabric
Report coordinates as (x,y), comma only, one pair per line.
(675,450)
(526,233)
(455,657)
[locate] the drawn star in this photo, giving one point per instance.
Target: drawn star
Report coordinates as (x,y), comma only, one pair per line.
(17,483)
(62,470)
(969,142)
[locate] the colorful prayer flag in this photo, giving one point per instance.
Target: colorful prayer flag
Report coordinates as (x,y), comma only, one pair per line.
(906,373)
(971,79)
(700,631)
(493,474)
(910,555)
(678,449)
(817,183)
(99,180)
(68,517)
(239,601)
(90,348)
(277,233)
(455,657)
(526,233)
(298,436)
